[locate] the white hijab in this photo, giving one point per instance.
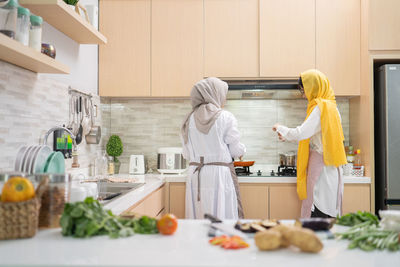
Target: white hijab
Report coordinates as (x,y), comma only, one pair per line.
(207,98)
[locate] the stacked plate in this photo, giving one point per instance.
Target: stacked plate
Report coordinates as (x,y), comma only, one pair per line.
(39,159)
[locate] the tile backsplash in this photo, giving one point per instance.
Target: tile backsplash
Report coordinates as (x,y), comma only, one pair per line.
(30,104)
(147,124)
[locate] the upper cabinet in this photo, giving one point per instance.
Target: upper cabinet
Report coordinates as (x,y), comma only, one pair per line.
(384,25)
(338,44)
(124,63)
(161,48)
(176,46)
(231,39)
(287,37)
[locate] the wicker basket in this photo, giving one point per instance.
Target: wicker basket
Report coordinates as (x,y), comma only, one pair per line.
(20,219)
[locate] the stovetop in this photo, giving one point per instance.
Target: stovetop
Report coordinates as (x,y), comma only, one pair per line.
(282,171)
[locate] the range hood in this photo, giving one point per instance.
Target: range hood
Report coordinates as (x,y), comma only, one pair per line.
(263,89)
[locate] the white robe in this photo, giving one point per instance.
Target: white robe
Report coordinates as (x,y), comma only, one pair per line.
(325,190)
(221,144)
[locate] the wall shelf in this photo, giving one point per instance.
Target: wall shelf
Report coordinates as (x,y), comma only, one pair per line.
(61,16)
(16,53)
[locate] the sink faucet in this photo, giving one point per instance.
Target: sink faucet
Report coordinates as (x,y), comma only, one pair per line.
(75,163)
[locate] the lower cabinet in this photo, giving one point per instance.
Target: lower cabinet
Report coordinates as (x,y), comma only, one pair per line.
(153,205)
(177,192)
(356,197)
(273,201)
(254,200)
(284,203)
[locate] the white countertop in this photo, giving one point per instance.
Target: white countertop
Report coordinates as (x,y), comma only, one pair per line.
(264,179)
(125,201)
(187,247)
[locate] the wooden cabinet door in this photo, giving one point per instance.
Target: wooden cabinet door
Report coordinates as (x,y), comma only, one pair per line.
(176,46)
(177,193)
(287,37)
(231,42)
(124,63)
(254,200)
(338,44)
(284,202)
(153,205)
(384,25)
(356,197)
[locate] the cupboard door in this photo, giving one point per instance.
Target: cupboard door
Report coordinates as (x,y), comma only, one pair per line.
(153,205)
(356,197)
(176,46)
(124,63)
(254,200)
(287,37)
(384,25)
(338,44)
(177,193)
(231,42)
(284,202)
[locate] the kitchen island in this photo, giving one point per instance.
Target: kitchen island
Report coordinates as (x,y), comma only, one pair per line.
(187,247)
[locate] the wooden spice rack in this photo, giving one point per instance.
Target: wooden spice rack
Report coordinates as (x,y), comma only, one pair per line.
(16,53)
(64,18)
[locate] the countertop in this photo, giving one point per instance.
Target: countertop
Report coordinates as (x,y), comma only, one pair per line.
(264,179)
(155,181)
(187,247)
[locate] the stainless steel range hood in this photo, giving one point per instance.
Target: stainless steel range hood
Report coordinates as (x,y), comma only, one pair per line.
(263,89)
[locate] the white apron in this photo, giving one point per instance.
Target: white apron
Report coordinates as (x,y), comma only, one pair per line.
(217,189)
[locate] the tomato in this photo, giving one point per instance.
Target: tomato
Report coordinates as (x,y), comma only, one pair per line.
(167,224)
(17,189)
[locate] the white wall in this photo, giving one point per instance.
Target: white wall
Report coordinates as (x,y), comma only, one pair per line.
(81,59)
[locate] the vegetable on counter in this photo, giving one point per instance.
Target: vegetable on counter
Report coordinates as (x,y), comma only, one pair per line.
(88,218)
(316,224)
(283,236)
(226,242)
(367,236)
(352,219)
(167,224)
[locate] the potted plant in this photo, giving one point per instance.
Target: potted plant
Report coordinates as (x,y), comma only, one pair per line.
(114,149)
(71,2)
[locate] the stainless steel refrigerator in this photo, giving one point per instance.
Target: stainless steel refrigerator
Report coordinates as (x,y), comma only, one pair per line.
(387,137)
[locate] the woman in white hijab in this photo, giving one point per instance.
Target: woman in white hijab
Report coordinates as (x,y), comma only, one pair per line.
(210,140)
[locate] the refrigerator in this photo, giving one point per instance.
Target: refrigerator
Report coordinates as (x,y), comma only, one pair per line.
(387,137)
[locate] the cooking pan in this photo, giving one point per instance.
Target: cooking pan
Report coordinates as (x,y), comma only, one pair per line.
(243,163)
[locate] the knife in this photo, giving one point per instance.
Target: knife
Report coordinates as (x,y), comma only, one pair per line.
(217,224)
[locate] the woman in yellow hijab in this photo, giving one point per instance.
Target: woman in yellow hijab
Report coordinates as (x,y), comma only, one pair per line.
(321,150)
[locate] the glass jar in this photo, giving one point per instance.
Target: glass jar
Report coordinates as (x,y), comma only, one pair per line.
(53,199)
(8,18)
(23,21)
(111,166)
(35,33)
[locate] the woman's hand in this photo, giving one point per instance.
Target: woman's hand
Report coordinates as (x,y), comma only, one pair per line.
(275,127)
(281,138)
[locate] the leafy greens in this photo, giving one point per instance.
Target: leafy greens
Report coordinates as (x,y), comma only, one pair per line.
(88,218)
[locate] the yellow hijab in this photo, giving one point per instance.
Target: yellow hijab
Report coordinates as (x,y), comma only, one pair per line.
(319,92)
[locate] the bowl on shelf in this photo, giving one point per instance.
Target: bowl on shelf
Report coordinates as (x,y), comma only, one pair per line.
(49,49)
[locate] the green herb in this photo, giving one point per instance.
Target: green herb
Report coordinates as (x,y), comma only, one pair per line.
(114,147)
(367,236)
(352,219)
(88,218)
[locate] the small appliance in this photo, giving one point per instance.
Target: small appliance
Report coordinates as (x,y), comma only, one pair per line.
(170,160)
(137,164)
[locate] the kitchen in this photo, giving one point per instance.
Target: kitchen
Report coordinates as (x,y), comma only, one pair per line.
(138,68)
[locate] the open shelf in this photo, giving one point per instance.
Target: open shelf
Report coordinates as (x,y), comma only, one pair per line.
(16,53)
(61,16)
